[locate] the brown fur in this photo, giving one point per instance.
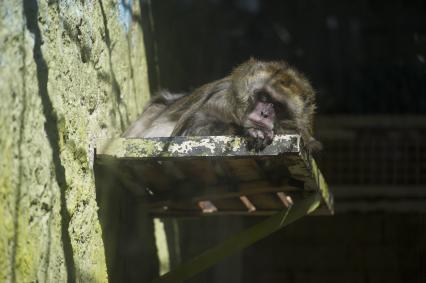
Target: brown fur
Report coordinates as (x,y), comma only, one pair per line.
(222,107)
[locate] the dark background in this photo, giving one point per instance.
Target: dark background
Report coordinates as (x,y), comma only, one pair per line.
(361,56)
(367,61)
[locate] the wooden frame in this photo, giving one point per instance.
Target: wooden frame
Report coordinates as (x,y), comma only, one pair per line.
(219,175)
(173,175)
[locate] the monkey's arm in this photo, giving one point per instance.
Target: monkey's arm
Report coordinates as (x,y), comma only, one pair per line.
(202,124)
(304,126)
(199,102)
(302,121)
(154,121)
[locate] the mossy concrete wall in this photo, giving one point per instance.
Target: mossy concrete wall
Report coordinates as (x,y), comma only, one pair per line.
(70,72)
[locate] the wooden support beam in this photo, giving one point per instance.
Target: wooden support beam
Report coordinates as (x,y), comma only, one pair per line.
(241,240)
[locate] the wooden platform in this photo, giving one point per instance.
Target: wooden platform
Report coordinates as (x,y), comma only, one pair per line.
(214,175)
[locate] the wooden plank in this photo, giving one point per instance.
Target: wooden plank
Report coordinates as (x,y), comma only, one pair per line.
(191,147)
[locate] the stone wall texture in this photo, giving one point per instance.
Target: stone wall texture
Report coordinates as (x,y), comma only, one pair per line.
(70,72)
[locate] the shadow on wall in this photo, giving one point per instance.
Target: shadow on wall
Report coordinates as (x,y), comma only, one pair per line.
(31,10)
(146,22)
(112,78)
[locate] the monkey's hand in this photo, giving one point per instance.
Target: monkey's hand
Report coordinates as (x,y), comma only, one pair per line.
(313,145)
(258,139)
(310,142)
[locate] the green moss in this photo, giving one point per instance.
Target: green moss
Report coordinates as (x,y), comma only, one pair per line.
(6,230)
(55,104)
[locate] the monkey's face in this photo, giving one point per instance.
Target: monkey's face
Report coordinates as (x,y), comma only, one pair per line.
(263,113)
(277,101)
(260,121)
(269,94)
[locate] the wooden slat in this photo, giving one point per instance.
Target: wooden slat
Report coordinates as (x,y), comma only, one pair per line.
(222,192)
(248,204)
(285,199)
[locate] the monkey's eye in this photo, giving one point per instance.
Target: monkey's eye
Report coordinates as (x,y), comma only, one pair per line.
(262,96)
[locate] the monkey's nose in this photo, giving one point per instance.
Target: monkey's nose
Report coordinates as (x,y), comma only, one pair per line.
(264,114)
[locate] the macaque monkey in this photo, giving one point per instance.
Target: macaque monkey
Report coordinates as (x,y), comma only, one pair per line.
(259,100)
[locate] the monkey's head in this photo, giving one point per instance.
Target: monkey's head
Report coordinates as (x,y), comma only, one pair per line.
(269,93)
